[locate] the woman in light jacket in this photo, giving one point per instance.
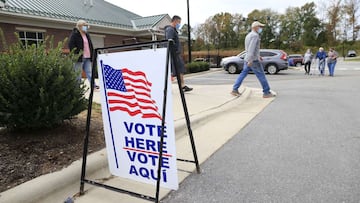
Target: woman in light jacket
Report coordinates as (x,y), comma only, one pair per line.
(307,61)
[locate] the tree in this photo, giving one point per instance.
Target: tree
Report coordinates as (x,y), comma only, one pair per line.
(310,24)
(291,27)
(224,28)
(334,16)
(271,20)
(351,9)
(221,31)
(184,30)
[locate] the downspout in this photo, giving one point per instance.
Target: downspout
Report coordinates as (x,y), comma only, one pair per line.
(153,37)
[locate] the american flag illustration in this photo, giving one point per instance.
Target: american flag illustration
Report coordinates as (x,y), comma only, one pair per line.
(129,92)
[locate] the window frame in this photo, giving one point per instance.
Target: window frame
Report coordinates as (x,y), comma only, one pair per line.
(25,39)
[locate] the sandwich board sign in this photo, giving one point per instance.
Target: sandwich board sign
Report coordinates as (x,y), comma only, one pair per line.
(132,91)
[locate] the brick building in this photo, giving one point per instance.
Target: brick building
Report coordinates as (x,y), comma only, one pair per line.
(110,25)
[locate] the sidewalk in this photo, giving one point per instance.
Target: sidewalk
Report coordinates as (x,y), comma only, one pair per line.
(215,117)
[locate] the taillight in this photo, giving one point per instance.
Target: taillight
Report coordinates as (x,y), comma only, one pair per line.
(283,55)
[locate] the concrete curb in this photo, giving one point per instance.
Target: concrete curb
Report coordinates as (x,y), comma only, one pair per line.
(40,187)
(201,118)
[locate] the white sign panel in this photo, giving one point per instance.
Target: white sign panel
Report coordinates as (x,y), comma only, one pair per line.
(132,89)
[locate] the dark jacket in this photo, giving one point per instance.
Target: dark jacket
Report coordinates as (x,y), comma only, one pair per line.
(171,33)
(76,42)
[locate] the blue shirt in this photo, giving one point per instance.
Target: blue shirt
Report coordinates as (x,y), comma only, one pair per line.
(321,55)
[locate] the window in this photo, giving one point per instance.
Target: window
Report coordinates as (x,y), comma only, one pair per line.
(31,37)
(267,54)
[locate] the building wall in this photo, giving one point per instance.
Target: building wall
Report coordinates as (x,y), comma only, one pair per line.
(60,35)
(10,30)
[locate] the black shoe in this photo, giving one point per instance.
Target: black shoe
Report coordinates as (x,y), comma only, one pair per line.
(187,89)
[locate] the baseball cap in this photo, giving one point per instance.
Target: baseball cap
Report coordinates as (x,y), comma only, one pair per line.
(257,24)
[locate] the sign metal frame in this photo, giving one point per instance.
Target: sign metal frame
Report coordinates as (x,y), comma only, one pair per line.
(170,57)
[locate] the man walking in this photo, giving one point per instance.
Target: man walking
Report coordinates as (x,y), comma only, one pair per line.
(172,33)
(252,61)
(321,55)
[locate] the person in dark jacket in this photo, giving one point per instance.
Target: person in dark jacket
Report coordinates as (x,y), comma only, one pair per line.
(80,41)
(172,33)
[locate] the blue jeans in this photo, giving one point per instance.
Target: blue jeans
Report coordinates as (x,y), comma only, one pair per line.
(84,65)
(258,70)
(331,67)
(322,66)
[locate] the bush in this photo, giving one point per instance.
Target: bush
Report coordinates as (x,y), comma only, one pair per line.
(195,67)
(39,88)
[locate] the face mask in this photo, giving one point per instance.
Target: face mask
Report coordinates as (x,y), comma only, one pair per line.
(84,28)
(178,26)
(260,30)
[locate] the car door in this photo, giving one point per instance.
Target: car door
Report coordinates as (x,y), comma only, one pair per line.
(267,57)
(241,61)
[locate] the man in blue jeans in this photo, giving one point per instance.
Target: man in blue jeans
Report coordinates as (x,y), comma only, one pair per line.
(252,61)
(321,55)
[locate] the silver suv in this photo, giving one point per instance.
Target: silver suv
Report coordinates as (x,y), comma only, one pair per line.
(273,61)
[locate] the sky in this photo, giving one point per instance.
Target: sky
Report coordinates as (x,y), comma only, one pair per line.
(200,10)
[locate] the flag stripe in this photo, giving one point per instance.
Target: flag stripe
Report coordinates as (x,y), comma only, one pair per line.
(119,108)
(129,90)
(133,105)
(135,83)
(137,73)
(134,113)
(133,97)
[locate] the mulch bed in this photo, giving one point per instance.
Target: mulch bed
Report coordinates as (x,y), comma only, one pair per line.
(27,155)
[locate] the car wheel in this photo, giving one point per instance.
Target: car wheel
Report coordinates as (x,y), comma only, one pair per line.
(232,69)
(272,69)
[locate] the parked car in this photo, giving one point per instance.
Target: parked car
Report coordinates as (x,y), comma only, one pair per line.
(351,53)
(273,61)
(295,60)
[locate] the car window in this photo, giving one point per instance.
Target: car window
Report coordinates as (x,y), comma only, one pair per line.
(242,54)
(267,54)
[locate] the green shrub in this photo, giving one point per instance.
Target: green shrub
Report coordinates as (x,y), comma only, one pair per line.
(195,67)
(39,88)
